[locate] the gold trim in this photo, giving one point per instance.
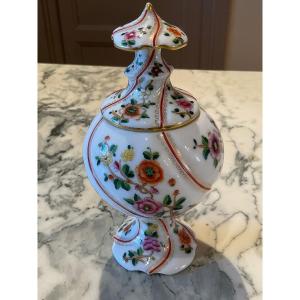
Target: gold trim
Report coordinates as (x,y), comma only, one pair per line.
(146,46)
(149,6)
(155,129)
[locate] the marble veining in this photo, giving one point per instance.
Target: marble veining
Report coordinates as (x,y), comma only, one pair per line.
(75,226)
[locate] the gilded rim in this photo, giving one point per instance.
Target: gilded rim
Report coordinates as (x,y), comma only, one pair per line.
(155,129)
(146,46)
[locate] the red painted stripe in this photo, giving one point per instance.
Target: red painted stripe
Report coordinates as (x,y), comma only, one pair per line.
(161,106)
(128,241)
(95,177)
(182,165)
(134,24)
(158,28)
(135,84)
(163,261)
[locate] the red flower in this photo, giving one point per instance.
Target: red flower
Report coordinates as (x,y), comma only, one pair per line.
(132,111)
(174,30)
(172,182)
(148,206)
(150,172)
(107,138)
(130,35)
(185,104)
(184,237)
(151,243)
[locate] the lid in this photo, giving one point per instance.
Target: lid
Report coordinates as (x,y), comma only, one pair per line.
(149,102)
(149,30)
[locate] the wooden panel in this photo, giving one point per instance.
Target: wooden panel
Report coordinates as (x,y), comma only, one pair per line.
(50,43)
(86,27)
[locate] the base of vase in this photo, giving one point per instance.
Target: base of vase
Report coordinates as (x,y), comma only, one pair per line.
(165,246)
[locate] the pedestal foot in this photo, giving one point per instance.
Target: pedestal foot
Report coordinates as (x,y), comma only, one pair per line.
(165,246)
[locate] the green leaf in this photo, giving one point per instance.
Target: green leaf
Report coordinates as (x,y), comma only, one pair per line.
(131,42)
(105,177)
(130,201)
(133,101)
(147,233)
(130,253)
(180,201)
(177,207)
(124,43)
(155,155)
(134,261)
(215,162)
(124,121)
(147,155)
(139,251)
(204,140)
(124,255)
(206,151)
(130,174)
(125,186)
(167,200)
(125,169)
(117,183)
(154,234)
(144,115)
(136,197)
(113,148)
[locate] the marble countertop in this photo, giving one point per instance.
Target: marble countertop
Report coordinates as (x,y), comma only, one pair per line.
(75,227)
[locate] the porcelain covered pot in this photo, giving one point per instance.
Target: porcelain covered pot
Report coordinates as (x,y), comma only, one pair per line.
(152,152)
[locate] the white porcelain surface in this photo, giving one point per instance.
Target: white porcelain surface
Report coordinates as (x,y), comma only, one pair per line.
(151,152)
(76,230)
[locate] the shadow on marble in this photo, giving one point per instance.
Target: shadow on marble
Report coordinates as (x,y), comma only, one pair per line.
(204,280)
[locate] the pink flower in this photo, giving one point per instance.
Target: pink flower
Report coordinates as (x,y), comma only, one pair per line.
(185,104)
(107,138)
(130,35)
(214,144)
(148,206)
(151,243)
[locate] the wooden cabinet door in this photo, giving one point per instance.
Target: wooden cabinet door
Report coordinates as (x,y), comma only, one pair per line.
(86,27)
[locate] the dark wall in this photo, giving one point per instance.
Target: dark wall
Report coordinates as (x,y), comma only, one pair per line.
(79,31)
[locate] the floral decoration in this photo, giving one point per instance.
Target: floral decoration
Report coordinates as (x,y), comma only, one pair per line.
(211,145)
(143,179)
(134,110)
(150,245)
(127,226)
(184,107)
(184,238)
(129,38)
(156,69)
(174,33)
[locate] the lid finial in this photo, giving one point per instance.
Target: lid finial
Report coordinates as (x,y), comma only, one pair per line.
(149,30)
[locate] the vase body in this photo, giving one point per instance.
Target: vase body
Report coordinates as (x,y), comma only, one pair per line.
(152,153)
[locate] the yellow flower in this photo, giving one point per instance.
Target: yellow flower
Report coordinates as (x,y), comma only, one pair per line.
(128,154)
(152,228)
